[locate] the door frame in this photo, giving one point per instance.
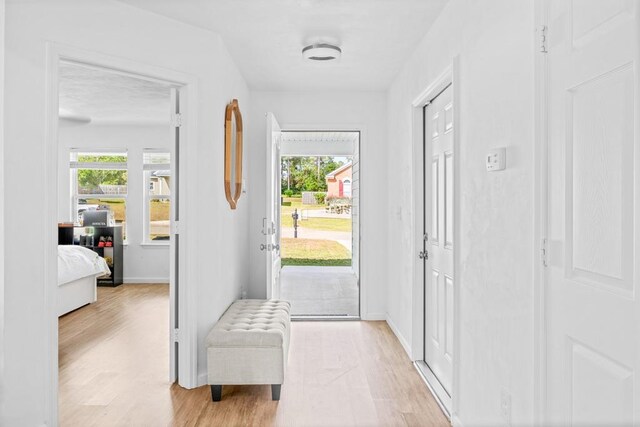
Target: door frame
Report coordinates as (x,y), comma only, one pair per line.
(450,76)
(541,212)
(361,129)
(2,42)
(187,298)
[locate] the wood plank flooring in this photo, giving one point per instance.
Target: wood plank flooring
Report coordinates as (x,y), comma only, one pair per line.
(114,372)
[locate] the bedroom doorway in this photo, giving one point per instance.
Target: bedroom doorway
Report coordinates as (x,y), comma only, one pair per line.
(118,200)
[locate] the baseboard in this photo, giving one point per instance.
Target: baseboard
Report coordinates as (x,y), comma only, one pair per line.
(373,316)
(139,280)
(455,421)
(396,331)
(202,379)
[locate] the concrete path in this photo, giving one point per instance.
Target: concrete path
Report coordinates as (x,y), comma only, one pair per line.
(320,291)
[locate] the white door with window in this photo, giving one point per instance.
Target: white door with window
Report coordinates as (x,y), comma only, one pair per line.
(346,188)
(591,290)
(438,238)
(271,223)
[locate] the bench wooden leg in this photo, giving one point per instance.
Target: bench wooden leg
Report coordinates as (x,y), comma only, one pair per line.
(216,393)
(275,391)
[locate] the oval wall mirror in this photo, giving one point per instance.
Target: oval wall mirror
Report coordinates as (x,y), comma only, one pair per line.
(233,153)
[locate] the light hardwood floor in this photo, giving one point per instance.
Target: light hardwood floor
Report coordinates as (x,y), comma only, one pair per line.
(114,370)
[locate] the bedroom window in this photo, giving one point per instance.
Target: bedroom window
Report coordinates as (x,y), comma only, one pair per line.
(157,204)
(99,182)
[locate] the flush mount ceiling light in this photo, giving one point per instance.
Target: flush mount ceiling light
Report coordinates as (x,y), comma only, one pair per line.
(321,52)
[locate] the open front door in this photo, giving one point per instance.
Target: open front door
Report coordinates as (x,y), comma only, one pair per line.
(271,223)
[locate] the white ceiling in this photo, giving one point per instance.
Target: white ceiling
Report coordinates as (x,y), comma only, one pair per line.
(265,37)
(100,96)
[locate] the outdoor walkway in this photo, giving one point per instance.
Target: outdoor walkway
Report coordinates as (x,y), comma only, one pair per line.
(320,291)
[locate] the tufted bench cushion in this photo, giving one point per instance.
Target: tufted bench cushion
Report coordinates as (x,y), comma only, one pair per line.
(252,323)
(249,345)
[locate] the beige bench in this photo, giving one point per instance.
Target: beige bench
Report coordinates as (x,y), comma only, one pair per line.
(249,345)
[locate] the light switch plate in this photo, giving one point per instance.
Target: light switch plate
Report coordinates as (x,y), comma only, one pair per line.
(496,159)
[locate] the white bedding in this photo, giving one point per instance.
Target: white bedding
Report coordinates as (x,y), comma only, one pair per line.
(75,262)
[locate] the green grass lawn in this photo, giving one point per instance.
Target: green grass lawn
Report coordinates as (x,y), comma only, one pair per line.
(314,252)
(326,224)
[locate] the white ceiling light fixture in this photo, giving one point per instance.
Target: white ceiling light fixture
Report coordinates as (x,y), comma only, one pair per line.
(321,52)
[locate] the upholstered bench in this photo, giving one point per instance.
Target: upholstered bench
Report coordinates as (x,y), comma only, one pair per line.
(249,345)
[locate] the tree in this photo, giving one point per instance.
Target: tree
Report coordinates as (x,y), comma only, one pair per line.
(307,173)
(89,180)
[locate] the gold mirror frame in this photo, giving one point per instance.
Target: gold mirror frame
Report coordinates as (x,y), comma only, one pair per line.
(232,112)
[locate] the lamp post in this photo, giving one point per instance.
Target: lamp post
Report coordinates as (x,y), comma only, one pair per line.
(294,215)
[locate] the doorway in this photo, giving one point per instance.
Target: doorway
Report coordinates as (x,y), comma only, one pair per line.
(317,200)
(179,365)
(436,241)
(115,185)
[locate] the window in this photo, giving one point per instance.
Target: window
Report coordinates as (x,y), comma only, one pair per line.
(157,184)
(99,182)
(346,189)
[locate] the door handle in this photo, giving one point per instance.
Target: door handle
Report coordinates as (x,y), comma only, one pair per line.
(423,255)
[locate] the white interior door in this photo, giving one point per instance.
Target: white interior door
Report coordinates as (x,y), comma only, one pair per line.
(438,238)
(271,226)
(592,301)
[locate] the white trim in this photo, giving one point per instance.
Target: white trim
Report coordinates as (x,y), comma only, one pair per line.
(309,149)
(145,280)
(437,391)
(98,165)
(2,385)
(203,379)
(450,76)
(374,317)
(340,169)
(455,421)
(541,194)
(188,297)
(457,231)
(401,338)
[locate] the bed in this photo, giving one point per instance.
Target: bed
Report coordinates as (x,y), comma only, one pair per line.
(78,271)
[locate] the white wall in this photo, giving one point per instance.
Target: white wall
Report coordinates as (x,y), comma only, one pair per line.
(109,28)
(143,263)
(2,380)
(365,111)
(494,40)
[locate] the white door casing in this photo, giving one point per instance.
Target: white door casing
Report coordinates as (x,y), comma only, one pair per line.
(439,276)
(174,243)
(592,307)
(174,215)
(271,223)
